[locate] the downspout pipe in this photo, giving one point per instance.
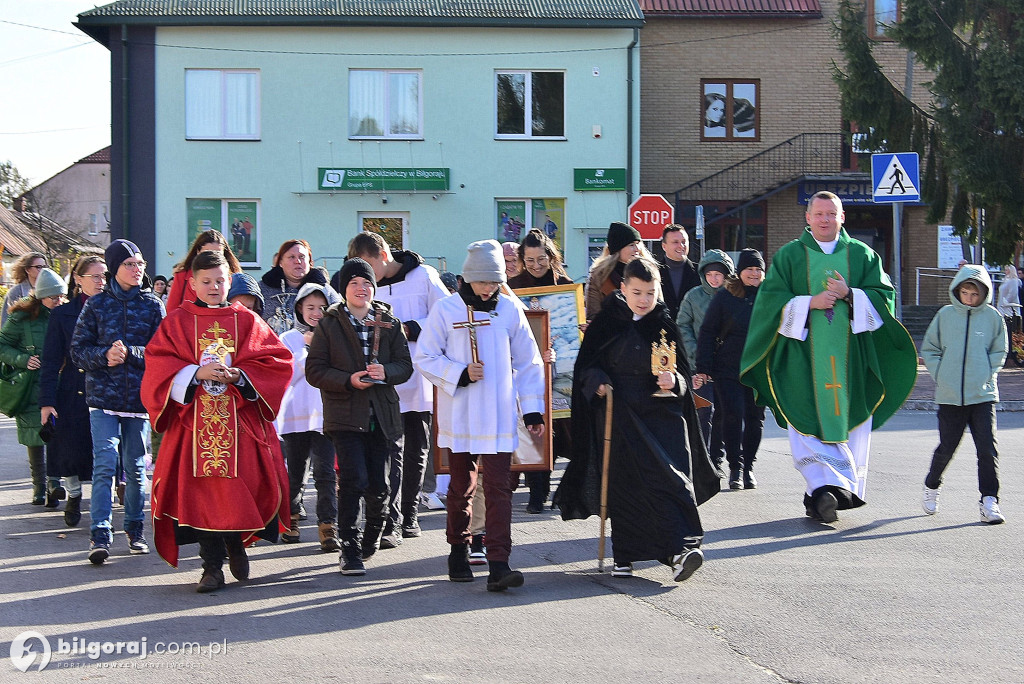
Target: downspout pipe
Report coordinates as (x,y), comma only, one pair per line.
(125,176)
(630,50)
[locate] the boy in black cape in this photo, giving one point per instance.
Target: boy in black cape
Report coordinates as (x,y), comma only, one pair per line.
(659,470)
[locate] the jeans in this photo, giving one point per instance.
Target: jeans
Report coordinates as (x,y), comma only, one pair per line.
(363,471)
(109,434)
(742,422)
(953,420)
(299,449)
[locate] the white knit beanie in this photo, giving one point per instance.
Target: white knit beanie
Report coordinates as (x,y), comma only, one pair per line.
(484,263)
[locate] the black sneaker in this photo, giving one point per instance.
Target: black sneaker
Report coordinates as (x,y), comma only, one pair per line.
(411,527)
(99,551)
(351,561)
(136,540)
(686,563)
(749,482)
(477,552)
(826,506)
(735,481)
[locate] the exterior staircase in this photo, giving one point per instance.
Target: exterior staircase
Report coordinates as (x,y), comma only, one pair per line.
(916,319)
(768,172)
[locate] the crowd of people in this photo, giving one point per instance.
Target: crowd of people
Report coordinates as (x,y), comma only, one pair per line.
(250,386)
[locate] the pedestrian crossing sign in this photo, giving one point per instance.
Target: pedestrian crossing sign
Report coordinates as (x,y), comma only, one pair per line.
(895,177)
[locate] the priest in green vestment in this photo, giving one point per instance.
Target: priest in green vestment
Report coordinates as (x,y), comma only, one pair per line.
(826,355)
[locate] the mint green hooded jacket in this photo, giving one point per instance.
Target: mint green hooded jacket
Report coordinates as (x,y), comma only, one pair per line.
(695,304)
(965,346)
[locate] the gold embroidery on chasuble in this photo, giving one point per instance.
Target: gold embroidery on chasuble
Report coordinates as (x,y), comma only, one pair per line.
(215,447)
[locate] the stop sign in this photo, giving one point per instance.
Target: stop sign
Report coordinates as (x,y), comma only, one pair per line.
(649,214)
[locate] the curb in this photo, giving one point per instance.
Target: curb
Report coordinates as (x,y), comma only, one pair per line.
(929,405)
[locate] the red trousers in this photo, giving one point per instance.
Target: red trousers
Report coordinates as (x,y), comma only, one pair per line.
(497,497)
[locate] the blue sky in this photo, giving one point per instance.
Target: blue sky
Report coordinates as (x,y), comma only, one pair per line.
(56,86)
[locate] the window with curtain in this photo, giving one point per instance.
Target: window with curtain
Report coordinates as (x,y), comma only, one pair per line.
(385,104)
(222,104)
(530,104)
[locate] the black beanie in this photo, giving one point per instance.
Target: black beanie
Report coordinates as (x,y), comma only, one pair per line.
(352,268)
(749,257)
(621,235)
(716,266)
(119,251)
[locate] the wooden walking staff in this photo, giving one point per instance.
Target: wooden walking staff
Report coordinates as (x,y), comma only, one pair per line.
(604,476)
(471,324)
(375,323)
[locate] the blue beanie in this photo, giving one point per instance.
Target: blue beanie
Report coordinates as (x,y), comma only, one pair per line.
(245,284)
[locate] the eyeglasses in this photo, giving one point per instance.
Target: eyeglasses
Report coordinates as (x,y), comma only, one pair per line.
(37,267)
(55,298)
(95,278)
(539,261)
(134,265)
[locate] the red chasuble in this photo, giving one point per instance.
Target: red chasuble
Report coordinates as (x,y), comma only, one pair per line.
(220,466)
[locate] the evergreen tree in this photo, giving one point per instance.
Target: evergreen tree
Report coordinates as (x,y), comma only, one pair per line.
(971,136)
(12,184)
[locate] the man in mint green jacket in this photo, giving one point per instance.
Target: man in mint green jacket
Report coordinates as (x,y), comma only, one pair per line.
(963,349)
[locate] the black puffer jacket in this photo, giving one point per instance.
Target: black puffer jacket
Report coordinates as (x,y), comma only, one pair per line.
(336,352)
(131,316)
(723,333)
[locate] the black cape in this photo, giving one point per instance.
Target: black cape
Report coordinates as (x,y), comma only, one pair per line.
(659,470)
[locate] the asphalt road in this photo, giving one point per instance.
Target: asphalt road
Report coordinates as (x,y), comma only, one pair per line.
(886,594)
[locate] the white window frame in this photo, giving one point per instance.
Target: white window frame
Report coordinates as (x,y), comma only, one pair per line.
(528,105)
(224,107)
(387,73)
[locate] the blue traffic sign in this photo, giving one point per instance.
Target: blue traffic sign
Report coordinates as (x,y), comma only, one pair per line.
(895,177)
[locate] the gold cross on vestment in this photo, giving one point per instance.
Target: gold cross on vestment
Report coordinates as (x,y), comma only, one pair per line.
(834,385)
(219,346)
(471,324)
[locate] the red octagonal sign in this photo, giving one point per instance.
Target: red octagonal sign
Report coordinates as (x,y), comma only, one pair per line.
(649,214)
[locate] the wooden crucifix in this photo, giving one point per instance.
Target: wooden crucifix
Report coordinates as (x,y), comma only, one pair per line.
(375,324)
(471,324)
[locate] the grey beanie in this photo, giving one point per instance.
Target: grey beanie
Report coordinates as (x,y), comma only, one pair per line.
(49,284)
(484,263)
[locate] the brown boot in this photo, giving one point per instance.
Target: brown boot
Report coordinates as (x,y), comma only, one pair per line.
(329,537)
(212,580)
(238,561)
(292,535)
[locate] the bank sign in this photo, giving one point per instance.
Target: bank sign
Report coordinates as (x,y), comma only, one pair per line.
(385,179)
(598,179)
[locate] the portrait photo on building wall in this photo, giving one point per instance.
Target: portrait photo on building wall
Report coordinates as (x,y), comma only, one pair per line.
(729,110)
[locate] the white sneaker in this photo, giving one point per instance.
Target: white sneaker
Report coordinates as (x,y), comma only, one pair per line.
(930,502)
(431,501)
(990,512)
(624,570)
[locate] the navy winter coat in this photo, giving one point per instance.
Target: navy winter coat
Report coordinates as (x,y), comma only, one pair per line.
(62,386)
(131,316)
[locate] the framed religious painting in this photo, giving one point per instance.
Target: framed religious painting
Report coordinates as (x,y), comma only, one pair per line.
(565,305)
(533,453)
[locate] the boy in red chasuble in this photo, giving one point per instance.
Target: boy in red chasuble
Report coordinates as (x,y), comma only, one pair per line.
(215,377)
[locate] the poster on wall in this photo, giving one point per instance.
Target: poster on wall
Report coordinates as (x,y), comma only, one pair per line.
(511,223)
(203,215)
(549,216)
(244,235)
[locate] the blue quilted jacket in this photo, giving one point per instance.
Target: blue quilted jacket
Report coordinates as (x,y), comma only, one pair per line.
(131,316)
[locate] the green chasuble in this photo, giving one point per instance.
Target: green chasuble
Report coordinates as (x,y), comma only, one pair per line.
(834,380)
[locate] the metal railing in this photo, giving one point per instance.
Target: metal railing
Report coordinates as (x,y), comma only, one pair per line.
(802,155)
